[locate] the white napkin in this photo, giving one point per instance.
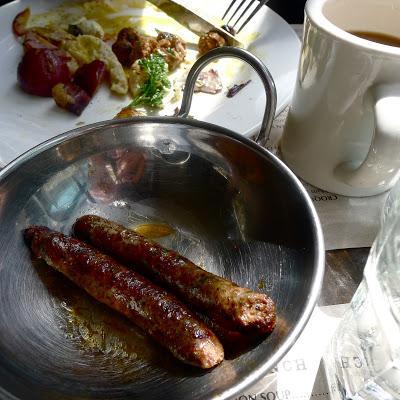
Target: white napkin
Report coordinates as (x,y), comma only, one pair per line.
(300,375)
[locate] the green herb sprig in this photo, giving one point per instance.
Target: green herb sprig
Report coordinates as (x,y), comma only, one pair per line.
(152,92)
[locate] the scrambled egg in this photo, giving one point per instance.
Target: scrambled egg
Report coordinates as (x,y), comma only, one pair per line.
(112,16)
(105,14)
(90,27)
(87,48)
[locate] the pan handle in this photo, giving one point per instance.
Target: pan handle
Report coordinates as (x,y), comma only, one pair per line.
(250,59)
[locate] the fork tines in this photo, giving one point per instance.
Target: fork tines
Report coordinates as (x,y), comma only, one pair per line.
(243,12)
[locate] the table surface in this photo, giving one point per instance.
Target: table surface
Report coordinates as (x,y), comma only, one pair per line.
(343,273)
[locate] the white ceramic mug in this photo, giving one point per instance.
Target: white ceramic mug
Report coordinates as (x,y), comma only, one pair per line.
(343,129)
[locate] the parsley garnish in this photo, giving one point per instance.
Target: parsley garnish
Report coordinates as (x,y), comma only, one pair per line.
(153,90)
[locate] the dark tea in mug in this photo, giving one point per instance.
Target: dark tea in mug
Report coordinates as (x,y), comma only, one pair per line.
(378,37)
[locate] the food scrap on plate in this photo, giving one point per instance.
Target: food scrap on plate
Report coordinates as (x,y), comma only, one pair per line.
(235,89)
(208,82)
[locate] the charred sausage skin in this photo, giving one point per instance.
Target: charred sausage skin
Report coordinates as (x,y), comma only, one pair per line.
(150,307)
(235,307)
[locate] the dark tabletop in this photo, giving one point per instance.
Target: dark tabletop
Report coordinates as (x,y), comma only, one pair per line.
(343,273)
(291,10)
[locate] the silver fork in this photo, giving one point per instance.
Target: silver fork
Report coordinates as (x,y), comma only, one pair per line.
(231,28)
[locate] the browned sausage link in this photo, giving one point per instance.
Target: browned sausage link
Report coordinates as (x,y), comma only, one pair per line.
(238,308)
(153,309)
(234,342)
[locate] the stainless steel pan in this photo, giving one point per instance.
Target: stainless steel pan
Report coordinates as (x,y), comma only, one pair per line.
(235,209)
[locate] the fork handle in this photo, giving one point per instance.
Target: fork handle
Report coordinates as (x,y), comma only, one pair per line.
(259,67)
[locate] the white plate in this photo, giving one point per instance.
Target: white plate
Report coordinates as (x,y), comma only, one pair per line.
(26,121)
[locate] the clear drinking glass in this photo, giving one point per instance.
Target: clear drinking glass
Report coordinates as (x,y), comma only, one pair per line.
(363,359)
(392,203)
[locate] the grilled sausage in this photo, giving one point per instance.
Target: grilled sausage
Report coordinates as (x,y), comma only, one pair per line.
(234,342)
(235,307)
(153,309)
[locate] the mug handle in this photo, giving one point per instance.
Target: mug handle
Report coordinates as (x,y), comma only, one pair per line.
(381,166)
(259,67)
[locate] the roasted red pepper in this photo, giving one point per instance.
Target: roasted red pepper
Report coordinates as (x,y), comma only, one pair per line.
(90,76)
(40,69)
(71,97)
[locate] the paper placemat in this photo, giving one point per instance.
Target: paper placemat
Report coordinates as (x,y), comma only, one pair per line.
(300,375)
